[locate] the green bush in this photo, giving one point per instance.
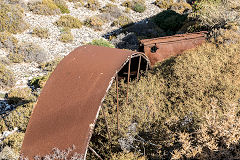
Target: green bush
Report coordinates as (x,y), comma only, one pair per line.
(44,7)
(66,35)
(39,82)
(7,79)
(40,32)
(11,18)
(139,6)
(19,117)
(102,42)
(170,21)
(61,4)
(68,21)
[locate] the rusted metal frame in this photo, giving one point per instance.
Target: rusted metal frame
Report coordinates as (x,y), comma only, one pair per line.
(139,66)
(117,104)
(129,70)
(95,152)
(174,41)
(109,135)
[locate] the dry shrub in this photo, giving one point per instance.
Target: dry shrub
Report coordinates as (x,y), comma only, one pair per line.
(11,18)
(20,95)
(112,9)
(135,5)
(51,65)
(31,53)
(66,35)
(68,21)
(61,4)
(44,7)
(216,13)
(19,117)
(122,21)
(169,106)
(92,5)
(14,141)
(40,32)
(217,137)
(163,3)
(7,79)
(8,42)
(95,22)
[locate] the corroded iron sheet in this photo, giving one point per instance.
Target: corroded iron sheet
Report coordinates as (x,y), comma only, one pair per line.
(69,104)
(158,49)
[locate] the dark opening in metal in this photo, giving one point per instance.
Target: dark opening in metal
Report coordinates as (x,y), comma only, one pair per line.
(154,49)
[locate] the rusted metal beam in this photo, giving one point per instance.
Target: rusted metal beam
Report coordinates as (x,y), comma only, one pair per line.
(95,152)
(139,66)
(129,70)
(117,103)
(109,134)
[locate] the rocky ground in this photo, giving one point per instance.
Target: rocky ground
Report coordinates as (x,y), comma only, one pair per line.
(54,48)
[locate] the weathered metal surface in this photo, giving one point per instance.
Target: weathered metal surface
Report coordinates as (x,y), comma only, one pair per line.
(158,49)
(69,104)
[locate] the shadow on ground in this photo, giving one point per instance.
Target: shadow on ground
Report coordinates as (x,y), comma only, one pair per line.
(165,23)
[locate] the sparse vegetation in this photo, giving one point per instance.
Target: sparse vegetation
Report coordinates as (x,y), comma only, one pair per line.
(122,21)
(68,21)
(92,4)
(40,32)
(102,42)
(20,95)
(94,22)
(50,66)
(31,53)
(11,18)
(7,79)
(44,7)
(19,117)
(8,42)
(61,4)
(164,3)
(66,35)
(216,13)
(39,82)
(135,5)
(14,141)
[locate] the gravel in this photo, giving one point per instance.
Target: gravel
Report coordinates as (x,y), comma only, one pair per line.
(84,35)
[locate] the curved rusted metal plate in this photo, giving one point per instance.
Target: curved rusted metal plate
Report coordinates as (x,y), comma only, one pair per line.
(70,102)
(166,47)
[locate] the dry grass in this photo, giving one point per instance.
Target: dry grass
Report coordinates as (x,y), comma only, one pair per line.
(188,107)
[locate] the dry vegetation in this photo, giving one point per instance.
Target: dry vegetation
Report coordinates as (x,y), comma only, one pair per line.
(187,107)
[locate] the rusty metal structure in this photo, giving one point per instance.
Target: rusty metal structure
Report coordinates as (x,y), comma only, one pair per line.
(69,104)
(158,49)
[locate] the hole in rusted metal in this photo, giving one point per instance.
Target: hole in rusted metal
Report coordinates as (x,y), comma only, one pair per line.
(154,49)
(123,73)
